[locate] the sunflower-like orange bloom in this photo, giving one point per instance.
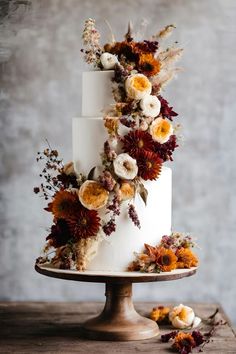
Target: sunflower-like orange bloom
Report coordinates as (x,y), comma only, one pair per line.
(186,258)
(123,48)
(183,340)
(64,204)
(148,65)
(167,260)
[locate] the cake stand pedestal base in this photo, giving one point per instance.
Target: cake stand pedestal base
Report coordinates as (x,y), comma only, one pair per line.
(119,320)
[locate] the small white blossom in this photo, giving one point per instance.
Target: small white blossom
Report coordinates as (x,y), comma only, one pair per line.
(108,60)
(125,166)
(150,106)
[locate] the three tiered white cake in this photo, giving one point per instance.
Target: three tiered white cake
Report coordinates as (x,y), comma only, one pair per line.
(111,205)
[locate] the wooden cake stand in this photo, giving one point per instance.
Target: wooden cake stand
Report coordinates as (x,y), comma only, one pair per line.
(118,321)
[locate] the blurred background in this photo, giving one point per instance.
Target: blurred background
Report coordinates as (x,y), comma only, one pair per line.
(40,91)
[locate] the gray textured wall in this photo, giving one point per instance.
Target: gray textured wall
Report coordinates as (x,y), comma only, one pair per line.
(40,92)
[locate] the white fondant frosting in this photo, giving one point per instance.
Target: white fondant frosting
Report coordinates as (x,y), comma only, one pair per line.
(89,135)
(117,251)
(96,92)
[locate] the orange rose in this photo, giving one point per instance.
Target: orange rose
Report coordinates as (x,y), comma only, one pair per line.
(92,195)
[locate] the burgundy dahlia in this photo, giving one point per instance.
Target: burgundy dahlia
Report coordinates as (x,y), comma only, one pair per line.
(60,234)
(165,151)
(149,165)
(137,141)
(85,223)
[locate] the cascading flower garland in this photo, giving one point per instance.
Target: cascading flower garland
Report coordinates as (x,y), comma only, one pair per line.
(141,137)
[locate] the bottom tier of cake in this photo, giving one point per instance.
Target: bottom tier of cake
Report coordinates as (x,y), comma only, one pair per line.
(116,252)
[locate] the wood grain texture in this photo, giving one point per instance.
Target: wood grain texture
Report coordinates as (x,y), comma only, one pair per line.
(56,328)
(119,320)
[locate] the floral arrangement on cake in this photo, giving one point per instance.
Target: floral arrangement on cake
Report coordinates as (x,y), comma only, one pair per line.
(141,137)
(173,252)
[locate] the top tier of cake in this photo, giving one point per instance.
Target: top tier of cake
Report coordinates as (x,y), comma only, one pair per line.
(96,92)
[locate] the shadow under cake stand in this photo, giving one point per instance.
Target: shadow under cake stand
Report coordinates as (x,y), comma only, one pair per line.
(118,321)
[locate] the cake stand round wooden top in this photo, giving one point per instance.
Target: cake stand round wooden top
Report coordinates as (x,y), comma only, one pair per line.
(113,277)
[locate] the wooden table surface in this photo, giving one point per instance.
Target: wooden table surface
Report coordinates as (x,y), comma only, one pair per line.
(44,327)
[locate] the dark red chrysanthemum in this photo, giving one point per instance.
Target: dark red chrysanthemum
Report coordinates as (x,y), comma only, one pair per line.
(149,165)
(60,234)
(85,223)
(166,110)
(137,141)
(165,151)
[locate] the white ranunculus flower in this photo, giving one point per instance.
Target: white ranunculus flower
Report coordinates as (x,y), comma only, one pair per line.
(108,60)
(137,86)
(181,316)
(150,106)
(125,166)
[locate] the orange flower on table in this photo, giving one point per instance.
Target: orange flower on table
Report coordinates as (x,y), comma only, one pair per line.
(148,65)
(64,204)
(161,130)
(183,340)
(167,259)
(160,314)
(186,258)
(93,195)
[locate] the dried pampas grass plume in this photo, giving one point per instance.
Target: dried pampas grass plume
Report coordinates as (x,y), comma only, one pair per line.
(170,56)
(164,77)
(164,32)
